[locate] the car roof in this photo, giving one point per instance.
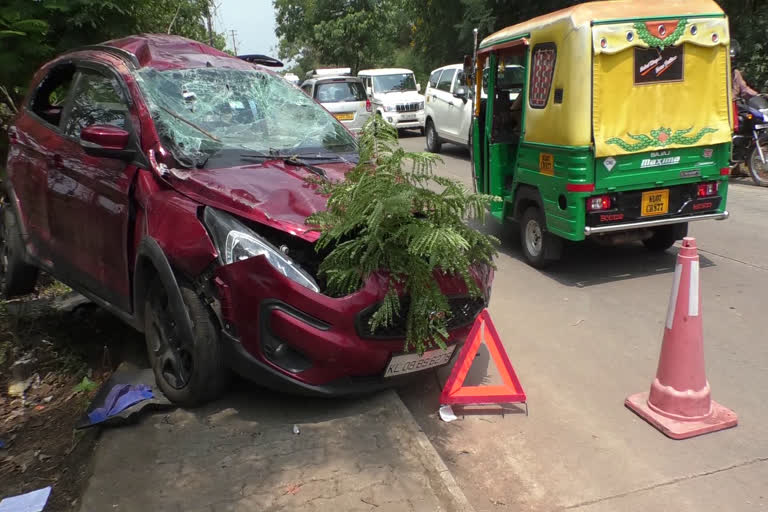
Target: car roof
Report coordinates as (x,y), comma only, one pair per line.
(163,52)
(338,78)
(383,71)
(449,66)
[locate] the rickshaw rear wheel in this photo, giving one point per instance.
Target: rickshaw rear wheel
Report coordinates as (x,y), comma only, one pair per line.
(540,247)
(665,237)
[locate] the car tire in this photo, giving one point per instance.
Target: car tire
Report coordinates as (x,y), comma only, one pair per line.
(665,237)
(433,140)
(189,372)
(18,277)
(540,247)
(757,169)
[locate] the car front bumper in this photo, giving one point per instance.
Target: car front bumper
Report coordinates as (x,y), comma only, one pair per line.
(290,338)
(406,119)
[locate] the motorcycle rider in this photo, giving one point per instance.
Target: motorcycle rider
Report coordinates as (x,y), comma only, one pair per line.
(741,91)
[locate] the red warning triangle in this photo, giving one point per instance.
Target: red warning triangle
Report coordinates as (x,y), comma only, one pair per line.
(455,392)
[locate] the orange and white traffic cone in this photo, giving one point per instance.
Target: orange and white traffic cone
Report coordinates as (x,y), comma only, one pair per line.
(679,403)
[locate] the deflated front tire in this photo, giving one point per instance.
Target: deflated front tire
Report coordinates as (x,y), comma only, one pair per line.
(189,371)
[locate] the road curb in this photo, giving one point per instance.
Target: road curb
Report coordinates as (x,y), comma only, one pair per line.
(431,457)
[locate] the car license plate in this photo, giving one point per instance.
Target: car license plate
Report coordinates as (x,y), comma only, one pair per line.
(408,117)
(655,202)
(409,363)
(345,116)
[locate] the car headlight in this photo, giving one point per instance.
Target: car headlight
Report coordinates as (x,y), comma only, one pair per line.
(236,242)
(389,108)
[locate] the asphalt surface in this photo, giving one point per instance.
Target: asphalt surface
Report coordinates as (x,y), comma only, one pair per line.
(585,335)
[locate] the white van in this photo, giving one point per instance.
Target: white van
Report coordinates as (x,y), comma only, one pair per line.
(395,96)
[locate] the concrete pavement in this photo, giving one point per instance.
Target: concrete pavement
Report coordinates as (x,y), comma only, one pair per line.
(586,334)
(241,454)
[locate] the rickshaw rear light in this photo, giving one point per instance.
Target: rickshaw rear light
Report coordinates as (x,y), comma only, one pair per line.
(368,105)
(598,203)
(725,171)
(708,189)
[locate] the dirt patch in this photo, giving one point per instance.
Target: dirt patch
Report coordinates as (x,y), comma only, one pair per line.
(50,342)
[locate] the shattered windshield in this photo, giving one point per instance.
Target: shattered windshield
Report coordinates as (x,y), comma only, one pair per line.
(399,82)
(204,111)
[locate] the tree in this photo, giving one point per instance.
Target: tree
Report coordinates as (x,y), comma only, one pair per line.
(340,33)
(32,32)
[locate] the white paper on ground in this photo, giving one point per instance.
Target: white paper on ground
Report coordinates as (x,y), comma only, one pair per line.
(446,414)
(31,502)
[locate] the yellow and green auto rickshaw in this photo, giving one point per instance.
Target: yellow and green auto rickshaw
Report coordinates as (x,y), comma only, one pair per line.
(621,130)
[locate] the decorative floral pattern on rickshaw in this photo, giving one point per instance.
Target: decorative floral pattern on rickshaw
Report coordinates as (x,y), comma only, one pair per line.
(658,36)
(660,138)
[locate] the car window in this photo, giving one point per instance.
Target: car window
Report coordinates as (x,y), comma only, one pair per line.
(461,80)
(395,82)
(48,100)
(434,78)
(332,92)
(444,84)
(201,112)
(96,99)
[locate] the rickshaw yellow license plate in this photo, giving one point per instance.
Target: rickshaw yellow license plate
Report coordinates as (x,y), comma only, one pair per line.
(345,116)
(655,202)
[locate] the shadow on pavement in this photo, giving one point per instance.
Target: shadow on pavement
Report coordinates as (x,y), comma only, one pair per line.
(588,264)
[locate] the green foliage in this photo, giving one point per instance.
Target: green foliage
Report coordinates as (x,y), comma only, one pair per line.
(337,33)
(749,26)
(34,31)
(392,214)
(85,386)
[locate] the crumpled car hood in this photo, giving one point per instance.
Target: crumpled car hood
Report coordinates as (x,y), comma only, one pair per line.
(274,193)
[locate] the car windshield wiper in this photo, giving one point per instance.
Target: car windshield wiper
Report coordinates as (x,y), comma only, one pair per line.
(294,160)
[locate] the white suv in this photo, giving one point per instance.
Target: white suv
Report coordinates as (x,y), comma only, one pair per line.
(449,103)
(395,96)
(449,108)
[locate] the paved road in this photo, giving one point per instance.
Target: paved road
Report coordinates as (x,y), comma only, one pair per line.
(585,335)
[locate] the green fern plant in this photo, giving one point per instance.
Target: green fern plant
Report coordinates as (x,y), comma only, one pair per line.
(392,214)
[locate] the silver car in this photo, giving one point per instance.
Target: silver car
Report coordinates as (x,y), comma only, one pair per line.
(342,96)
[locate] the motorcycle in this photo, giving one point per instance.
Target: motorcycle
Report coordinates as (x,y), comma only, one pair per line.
(750,139)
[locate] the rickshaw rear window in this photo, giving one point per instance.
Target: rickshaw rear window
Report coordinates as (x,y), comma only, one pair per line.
(542,72)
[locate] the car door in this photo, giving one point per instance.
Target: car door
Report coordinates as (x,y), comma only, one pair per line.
(441,97)
(457,117)
(88,196)
(34,140)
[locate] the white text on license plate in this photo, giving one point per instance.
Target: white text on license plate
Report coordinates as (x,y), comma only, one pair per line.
(409,363)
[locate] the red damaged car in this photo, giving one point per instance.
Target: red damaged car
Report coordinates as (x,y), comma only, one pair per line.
(166,181)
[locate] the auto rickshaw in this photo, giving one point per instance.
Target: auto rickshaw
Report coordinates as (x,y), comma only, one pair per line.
(622,131)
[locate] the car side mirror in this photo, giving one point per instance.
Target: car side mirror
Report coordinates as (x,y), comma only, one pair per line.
(106,141)
(461,92)
(418,87)
(369,91)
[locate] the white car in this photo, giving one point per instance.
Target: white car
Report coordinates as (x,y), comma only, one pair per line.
(449,103)
(448,108)
(395,96)
(342,96)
